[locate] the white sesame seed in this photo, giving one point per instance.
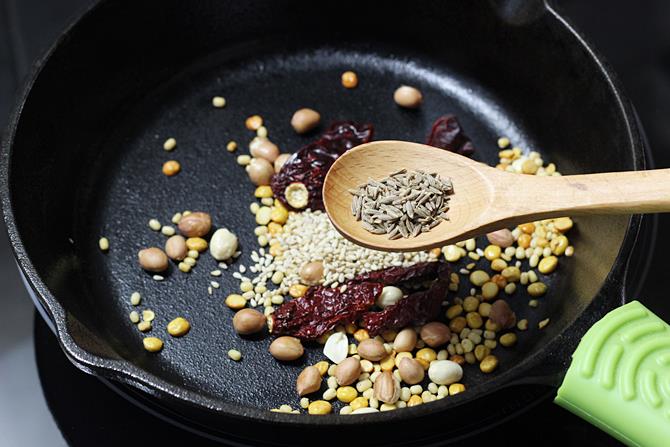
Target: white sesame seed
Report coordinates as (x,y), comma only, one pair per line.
(215,284)
(154,224)
(215,273)
(158,278)
(135,298)
(309,236)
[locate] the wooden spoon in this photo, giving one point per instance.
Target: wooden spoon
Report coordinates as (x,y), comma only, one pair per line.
(485,199)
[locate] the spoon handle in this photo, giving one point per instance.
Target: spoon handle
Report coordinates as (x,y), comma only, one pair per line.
(629,192)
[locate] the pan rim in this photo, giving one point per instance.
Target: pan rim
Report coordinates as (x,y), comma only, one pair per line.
(128,373)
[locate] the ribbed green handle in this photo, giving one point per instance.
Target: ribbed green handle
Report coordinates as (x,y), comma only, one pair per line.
(619,379)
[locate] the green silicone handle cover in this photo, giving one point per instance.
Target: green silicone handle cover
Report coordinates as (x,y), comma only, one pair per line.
(619,379)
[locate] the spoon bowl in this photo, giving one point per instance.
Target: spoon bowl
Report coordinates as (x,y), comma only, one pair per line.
(485,199)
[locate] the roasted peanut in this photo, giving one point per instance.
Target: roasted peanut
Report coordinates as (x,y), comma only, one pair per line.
(304,120)
(286,348)
(153,259)
(195,224)
(175,248)
(248,321)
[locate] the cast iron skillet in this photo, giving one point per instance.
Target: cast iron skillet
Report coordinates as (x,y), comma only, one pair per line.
(83,154)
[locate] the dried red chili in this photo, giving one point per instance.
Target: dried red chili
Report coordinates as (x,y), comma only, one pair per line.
(323,308)
(447,133)
(416,273)
(418,308)
(311,163)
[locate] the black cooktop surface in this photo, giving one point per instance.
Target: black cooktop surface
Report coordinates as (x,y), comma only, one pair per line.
(636,41)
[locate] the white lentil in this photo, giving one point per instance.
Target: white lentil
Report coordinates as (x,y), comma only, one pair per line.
(234,354)
(243,160)
(277,277)
(176,218)
(134,317)
(427,397)
(135,298)
(442,391)
(347,408)
(103,243)
(416,389)
(364,385)
(169,144)
(219,102)
(524,278)
(168,231)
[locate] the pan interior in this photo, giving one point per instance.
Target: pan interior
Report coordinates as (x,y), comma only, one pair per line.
(100,174)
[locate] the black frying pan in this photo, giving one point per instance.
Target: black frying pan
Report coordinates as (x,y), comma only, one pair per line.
(83,154)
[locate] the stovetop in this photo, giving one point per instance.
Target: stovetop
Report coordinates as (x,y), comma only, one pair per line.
(45,401)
